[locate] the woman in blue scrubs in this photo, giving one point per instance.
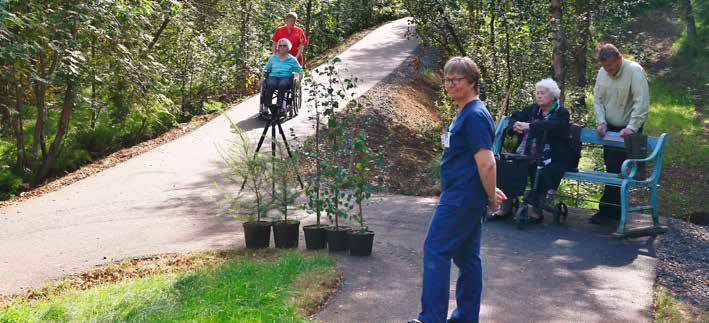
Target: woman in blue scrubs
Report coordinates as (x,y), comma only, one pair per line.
(467,188)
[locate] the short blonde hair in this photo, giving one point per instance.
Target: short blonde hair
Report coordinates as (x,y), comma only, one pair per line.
(550,85)
(293,15)
(466,67)
(285,40)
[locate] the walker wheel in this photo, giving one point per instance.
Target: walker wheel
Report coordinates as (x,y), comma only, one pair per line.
(562,212)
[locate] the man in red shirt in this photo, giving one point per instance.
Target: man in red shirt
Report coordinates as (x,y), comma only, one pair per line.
(292,33)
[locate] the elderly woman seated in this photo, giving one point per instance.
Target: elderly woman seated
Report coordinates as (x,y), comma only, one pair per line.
(543,129)
(281,68)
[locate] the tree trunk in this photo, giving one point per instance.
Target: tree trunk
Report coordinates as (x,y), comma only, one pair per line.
(583,10)
(39,94)
(508,62)
(688,13)
(308,15)
(557,40)
(245,19)
(159,32)
(19,129)
(64,117)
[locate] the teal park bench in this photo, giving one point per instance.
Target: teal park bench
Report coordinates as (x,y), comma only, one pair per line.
(625,180)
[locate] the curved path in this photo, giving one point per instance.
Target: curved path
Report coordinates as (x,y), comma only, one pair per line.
(161,201)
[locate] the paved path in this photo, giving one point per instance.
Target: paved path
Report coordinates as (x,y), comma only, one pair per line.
(547,273)
(160,201)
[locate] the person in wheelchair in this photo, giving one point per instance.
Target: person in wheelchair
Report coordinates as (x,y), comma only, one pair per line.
(543,130)
(279,74)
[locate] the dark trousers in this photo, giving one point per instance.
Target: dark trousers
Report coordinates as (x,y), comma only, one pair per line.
(282,84)
(613,158)
(549,179)
(454,233)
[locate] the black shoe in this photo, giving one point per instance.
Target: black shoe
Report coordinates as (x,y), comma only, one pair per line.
(451,321)
(598,218)
(413,321)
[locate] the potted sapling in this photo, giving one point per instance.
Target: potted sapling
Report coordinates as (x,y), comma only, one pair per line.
(315,234)
(360,239)
(286,191)
(247,168)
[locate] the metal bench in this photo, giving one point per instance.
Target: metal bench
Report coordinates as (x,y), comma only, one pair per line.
(626,180)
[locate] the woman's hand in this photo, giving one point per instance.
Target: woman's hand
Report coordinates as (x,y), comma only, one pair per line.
(520,127)
(499,198)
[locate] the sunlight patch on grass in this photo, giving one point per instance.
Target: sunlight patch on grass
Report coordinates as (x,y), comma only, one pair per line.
(240,290)
(672,112)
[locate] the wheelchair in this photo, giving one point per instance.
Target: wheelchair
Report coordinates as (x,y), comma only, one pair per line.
(293,99)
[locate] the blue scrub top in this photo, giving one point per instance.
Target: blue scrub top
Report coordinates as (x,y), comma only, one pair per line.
(472,129)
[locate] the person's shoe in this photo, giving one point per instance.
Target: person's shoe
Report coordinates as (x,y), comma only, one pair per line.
(451,321)
(413,321)
(536,216)
(598,218)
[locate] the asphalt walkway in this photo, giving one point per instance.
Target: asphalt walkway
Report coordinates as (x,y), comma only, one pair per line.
(163,201)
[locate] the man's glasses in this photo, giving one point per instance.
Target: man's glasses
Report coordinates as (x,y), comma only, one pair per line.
(453,81)
(282,45)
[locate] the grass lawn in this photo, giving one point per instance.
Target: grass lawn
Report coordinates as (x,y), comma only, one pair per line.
(277,288)
(683,184)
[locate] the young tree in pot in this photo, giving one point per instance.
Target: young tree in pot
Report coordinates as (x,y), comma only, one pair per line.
(246,167)
(327,90)
(335,199)
(284,174)
(360,240)
(315,234)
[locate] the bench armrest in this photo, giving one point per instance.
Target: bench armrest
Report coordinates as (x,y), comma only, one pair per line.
(630,166)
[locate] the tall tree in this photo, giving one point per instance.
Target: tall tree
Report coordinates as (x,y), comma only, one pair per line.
(558,41)
(688,14)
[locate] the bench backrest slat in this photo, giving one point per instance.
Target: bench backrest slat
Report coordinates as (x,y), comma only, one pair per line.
(589,136)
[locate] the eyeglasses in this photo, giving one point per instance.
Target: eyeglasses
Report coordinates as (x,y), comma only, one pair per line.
(453,81)
(282,45)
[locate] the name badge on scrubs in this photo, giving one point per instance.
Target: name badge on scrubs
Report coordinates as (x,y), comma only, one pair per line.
(446,140)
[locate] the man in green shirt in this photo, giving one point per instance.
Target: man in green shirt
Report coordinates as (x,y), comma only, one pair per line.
(620,100)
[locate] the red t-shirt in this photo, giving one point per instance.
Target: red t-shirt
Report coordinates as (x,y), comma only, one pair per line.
(296,37)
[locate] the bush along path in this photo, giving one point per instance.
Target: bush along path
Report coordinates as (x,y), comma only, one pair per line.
(163,200)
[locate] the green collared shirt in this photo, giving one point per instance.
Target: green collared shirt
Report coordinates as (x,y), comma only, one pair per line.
(622,100)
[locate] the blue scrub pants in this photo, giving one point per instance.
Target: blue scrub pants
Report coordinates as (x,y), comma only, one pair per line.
(454,233)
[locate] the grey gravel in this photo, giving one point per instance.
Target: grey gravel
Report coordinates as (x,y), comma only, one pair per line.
(683,266)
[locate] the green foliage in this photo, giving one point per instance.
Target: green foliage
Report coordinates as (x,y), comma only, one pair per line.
(9,183)
(341,180)
(509,40)
(129,71)
(242,290)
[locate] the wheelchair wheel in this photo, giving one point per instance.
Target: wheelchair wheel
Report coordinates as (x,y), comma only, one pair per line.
(522,217)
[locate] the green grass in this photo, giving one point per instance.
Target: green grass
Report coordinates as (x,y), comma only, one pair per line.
(242,290)
(669,309)
(672,112)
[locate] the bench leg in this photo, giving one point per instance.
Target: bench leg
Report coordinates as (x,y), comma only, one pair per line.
(653,203)
(623,208)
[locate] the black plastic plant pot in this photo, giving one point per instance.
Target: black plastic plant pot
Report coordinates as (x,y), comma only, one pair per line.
(257,234)
(360,242)
(337,238)
(315,236)
(285,233)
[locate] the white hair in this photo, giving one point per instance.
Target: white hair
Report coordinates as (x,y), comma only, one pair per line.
(550,85)
(285,40)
